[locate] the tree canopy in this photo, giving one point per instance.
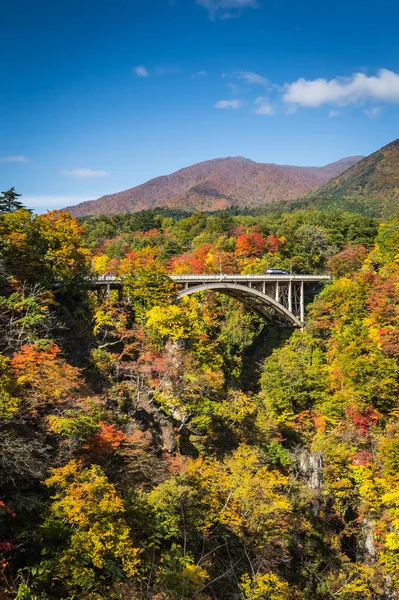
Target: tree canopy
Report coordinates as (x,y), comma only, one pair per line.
(165,450)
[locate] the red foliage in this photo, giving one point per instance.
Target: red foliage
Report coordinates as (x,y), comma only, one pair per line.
(362,458)
(8,545)
(152,233)
(347,261)
(363,420)
(252,244)
(176,464)
(5,508)
(274,244)
(370,277)
(239,229)
(190,262)
(204,259)
(107,439)
(390,341)
(383,301)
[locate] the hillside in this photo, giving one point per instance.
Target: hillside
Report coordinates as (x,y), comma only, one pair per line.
(370,187)
(217,184)
(161,450)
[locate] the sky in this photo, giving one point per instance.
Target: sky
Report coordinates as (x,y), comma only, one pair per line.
(100,96)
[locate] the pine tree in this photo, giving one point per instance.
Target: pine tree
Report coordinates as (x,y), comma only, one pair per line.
(9,201)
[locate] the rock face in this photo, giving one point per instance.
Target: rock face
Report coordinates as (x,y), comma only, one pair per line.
(217,184)
(367,538)
(311,467)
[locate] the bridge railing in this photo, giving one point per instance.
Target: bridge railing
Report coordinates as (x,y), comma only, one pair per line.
(266,277)
(223,277)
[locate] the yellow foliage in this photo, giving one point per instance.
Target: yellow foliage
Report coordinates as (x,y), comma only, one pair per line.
(100,264)
(352,582)
(168,321)
(243,494)
(237,407)
(8,404)
(264,587)
(91,507)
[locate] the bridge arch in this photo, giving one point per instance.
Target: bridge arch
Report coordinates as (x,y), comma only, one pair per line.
(250,297)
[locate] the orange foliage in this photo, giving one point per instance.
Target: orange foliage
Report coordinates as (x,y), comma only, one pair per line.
(108,438)
(176,464)
(139,260)
(204,259)
(43,376)
(347,261)
(274,243)
(252,244)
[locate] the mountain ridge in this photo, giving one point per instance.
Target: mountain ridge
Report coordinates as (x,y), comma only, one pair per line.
(371,186)
(217,184)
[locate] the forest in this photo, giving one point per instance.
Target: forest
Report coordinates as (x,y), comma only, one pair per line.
(160,450)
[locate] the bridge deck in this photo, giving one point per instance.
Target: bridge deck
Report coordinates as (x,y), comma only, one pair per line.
(115,282)
(243,278)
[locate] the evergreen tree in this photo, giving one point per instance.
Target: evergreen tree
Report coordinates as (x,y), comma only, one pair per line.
(9,201)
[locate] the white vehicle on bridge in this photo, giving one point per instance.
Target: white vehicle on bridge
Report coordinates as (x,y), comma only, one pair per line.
(276,272)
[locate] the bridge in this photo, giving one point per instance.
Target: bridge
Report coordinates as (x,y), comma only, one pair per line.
(277,298)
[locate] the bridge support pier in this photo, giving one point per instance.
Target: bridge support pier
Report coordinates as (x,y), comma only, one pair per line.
(302,302)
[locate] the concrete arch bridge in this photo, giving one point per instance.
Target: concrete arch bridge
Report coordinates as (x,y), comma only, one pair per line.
(281,299)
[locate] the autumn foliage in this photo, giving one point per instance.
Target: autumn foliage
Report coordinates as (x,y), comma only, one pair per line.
(184,450)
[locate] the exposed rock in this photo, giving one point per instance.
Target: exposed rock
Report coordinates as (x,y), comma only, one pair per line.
(311,467)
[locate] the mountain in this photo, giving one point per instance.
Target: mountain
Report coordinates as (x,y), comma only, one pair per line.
(217,184)
(370,187)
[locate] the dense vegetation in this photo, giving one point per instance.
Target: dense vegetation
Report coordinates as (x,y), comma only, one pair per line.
(370,187)
(246,243)
(137,458)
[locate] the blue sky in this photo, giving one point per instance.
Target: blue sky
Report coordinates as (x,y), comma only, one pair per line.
(99,96)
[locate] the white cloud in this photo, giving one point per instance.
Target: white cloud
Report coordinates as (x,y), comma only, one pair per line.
(218,7)
(19,158)
(234,104)
(333,113)
(251,77)
(263,106)
(141,71)
(84,173)
(202,74)
(357,89)
(372,112)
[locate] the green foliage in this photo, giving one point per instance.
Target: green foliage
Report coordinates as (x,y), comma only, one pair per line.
(369,187)
(294,378)
(9,201)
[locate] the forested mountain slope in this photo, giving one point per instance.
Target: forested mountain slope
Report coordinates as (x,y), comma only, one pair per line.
(134,465)
(217,184)
(370,187)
